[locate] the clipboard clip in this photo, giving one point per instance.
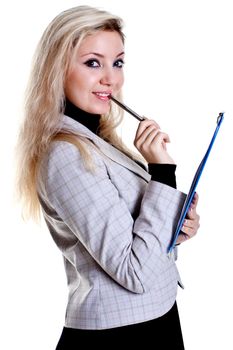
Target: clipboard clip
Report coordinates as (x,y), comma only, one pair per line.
(220,118)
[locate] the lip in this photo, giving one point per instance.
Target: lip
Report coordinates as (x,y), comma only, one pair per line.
(103,95)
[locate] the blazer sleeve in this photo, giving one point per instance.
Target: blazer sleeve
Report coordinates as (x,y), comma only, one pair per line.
(132,252)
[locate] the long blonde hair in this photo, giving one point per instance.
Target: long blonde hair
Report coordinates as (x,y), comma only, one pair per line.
(44,103)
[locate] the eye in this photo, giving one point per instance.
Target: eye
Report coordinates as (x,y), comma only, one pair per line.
(92,63)
(119,63)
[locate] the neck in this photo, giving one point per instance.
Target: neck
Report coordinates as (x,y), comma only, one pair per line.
(91,121)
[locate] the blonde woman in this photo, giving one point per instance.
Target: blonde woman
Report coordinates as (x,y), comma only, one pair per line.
(111,219)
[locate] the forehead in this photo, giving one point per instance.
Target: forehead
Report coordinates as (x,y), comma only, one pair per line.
(102,42)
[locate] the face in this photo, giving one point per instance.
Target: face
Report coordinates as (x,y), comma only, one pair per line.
(96,72)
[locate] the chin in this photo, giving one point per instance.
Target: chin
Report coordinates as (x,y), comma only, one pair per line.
(101,110)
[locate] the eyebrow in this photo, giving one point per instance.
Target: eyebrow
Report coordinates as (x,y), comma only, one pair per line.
(100,55)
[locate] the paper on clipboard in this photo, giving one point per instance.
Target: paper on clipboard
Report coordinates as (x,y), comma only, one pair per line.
(193,186)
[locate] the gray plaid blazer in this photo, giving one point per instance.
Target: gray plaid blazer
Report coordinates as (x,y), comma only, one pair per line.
(113,226)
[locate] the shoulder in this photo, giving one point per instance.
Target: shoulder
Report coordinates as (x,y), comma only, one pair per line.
(65,162)
(63,154)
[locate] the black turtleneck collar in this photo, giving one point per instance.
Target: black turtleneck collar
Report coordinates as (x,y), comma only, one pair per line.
(91,121)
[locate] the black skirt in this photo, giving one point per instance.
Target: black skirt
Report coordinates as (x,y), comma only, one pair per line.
(161,333)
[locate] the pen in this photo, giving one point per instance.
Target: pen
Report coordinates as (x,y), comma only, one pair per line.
(127,109)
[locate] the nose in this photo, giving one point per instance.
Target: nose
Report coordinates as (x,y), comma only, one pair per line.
(108,77)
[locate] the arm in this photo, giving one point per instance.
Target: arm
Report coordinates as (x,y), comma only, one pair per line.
(151,143)
(131,252)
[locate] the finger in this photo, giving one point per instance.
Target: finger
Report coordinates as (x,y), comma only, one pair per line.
(188,232)
(150,137)
(182,238)
(146,136)
(143,125)
(160,140)
(163,138)
(192,209)
(146,132)
(195,200)
(192,215)
(190,227)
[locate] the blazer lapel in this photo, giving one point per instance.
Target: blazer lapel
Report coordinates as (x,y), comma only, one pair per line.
(106,148)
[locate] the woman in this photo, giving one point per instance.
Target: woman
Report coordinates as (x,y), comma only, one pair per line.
(111,219)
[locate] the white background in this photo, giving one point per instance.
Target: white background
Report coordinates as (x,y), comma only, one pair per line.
(178,71)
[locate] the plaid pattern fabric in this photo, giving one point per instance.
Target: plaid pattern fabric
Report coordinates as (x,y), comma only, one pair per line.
(113,227)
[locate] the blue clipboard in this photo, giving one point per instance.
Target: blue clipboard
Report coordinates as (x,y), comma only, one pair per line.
(193,186)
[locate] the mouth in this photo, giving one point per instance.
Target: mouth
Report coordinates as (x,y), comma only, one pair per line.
(103,96)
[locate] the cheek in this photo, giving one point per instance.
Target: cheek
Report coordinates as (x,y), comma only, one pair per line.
(69,84)
(120,81)
(76,84)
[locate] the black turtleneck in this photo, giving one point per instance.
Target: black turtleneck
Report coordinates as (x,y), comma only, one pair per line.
(91,121)
(164,173)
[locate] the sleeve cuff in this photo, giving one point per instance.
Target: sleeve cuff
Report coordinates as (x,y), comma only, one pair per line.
(164,173)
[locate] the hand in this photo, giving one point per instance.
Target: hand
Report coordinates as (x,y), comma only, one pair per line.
(150,141)
(191,223)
